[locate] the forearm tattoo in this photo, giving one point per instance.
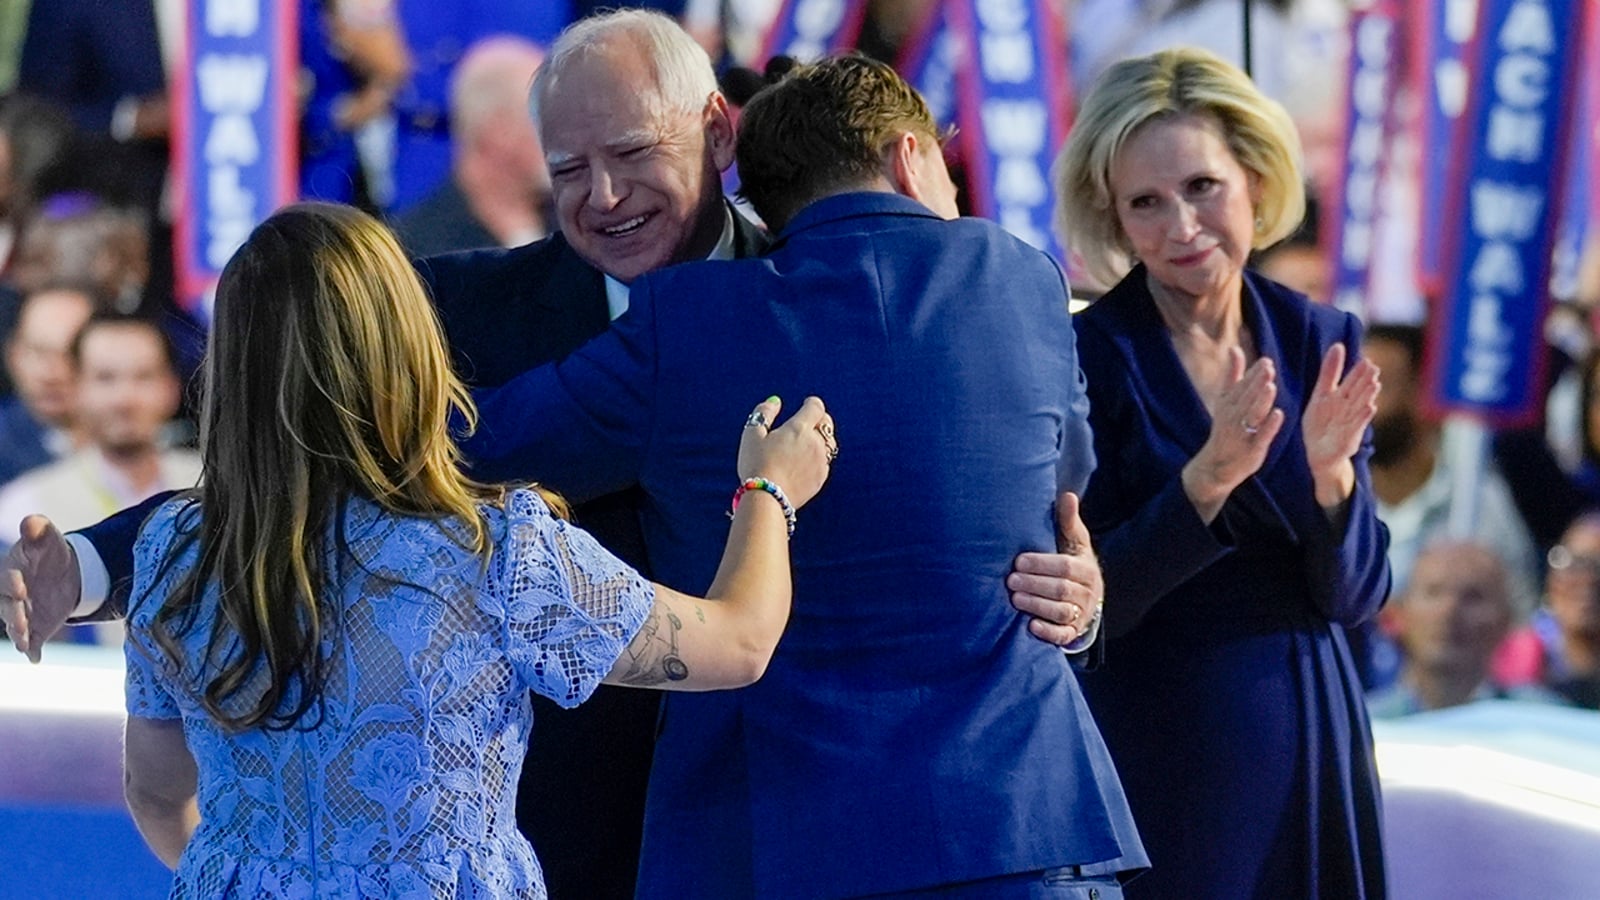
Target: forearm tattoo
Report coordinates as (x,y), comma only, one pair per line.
(653,655)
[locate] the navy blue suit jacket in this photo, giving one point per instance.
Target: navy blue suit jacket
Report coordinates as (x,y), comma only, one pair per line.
(909,732)
(1229,698)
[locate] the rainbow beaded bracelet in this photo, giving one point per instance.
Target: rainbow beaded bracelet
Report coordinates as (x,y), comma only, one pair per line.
(761,484)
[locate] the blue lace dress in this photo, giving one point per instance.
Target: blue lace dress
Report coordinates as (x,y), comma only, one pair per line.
(402,782)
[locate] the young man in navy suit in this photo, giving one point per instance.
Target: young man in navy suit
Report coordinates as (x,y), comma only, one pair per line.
(909,738)
(658,202)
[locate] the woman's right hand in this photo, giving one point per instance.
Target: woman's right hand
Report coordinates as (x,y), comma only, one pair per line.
(795,456)
(1243,425)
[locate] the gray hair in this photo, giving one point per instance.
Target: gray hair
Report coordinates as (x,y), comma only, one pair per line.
(684,78)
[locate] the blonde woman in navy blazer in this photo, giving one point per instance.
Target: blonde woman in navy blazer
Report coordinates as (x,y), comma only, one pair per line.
(1236,524)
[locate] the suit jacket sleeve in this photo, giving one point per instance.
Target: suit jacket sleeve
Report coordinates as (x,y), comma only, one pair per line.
(1349,573)
(580,426)
(113,539)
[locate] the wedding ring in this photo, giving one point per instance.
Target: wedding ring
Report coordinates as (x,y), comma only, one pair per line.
(1248,428)
(757,419)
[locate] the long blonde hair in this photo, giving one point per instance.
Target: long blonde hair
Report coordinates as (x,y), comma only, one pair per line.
(327,378)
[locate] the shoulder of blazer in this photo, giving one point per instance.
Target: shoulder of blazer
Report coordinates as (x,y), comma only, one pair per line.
(496,277)
(1300,321)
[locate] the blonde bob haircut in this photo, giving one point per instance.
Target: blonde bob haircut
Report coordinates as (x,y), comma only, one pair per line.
(1167,84)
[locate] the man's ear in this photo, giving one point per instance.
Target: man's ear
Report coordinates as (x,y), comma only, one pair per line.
(719,131)
(903,165)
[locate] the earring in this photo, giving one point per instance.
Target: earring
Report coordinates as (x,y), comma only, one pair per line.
(1260,224)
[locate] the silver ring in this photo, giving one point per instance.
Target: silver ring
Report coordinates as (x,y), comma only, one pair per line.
(757,419)
(1248,428)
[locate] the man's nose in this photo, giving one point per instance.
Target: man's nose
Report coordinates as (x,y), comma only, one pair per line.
(606,190)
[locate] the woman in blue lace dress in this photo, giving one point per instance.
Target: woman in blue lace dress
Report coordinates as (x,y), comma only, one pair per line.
(332,640)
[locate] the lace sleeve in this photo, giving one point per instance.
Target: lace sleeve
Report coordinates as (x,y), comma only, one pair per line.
(145,693)
(569,606)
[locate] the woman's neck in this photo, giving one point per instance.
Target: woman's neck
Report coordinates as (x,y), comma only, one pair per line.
(1216,318)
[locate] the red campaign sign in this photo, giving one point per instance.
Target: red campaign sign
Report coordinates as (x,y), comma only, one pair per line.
(236,133)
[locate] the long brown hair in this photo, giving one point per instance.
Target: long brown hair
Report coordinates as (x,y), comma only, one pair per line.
(327,378)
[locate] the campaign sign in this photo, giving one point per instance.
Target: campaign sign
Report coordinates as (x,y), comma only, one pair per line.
(235,133)
(1582,201)
(1486,352)
(1444,29)
(808,30)
(1013,111)
(1369,89)
(929,62)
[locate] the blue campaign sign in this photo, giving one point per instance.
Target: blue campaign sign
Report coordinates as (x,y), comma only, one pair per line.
(1485,348)
(1369,89)
(1013,110)
(236,132)
(1582,200)
(811,29)
(929,62)
(1445,29)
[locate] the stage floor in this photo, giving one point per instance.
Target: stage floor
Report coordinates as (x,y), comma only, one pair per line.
(1494,800)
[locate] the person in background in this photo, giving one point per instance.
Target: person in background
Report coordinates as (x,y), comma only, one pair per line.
(1449,620)
(39,423)
(34,136)
(353,60)
(1234,515)
(1560,649)
(1411,471)
(498,193)
(333,638)
(1298,262)
(439,35)
(127,394)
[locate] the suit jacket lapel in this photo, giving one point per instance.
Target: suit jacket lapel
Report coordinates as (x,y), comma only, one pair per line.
(748,238)
(1152,361)
(577,291)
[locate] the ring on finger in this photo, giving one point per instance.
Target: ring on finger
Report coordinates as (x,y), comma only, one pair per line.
(1248,428)
(757,419)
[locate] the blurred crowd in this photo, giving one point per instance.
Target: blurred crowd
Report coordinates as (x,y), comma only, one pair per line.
(417,111)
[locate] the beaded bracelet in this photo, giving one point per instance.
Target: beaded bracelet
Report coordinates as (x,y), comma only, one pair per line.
(761,484)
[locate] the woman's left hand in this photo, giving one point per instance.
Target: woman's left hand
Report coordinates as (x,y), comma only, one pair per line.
(1335,419)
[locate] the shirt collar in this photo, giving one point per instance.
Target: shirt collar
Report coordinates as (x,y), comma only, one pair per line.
(617,292)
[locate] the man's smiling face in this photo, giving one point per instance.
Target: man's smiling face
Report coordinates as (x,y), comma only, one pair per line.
(636,182)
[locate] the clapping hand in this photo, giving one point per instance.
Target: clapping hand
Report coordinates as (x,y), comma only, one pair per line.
(1243,424)
(1334,422)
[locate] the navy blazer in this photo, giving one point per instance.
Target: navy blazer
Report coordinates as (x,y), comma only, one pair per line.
(1229,699)
(908,732)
